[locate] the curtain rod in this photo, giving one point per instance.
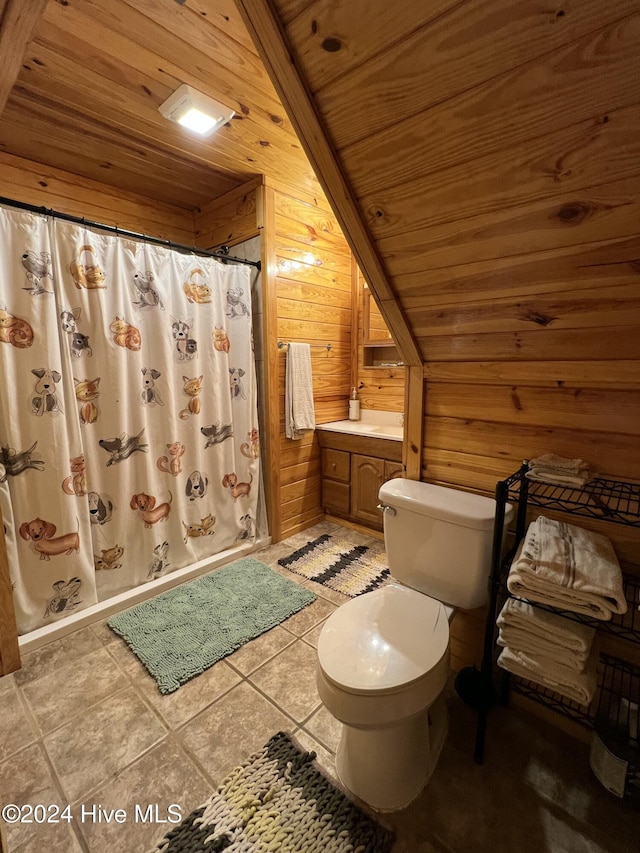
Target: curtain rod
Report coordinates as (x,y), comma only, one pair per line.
(221,254)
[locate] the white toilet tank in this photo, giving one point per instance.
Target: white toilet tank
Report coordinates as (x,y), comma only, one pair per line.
(439,540)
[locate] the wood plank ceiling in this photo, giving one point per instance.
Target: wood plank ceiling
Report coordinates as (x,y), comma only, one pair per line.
(85,97)
(491,152)
(489,146)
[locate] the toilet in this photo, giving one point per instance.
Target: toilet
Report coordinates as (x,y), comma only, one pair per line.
(383,657)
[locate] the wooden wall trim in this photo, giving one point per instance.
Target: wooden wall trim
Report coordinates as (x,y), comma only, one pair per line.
(18,23)
(266,214)
(356,295)
(270,40)
(9,651)
(413,422)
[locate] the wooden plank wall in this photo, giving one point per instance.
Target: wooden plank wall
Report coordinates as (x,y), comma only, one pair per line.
(9,651)
(232,218)
(313,304)
(495,154)
(36,183)
(494,150)
(307,297)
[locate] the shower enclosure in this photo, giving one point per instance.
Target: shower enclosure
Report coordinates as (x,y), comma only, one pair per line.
(129,435)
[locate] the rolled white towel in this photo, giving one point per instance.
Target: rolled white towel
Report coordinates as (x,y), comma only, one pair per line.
(565,566)
(578,686)
(528,629)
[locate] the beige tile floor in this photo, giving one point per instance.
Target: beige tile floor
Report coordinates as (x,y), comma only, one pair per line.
(83,723)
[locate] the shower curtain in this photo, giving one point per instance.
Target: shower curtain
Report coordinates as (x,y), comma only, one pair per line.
(129,442)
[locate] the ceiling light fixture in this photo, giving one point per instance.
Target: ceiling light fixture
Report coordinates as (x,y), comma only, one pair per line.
(195,111)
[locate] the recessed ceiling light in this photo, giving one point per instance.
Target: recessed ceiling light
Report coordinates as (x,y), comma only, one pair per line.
(195,111)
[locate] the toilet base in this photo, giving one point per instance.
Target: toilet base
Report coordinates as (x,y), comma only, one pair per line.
(388,767)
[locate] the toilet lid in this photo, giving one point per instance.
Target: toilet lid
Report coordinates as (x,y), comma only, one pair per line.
(383,640)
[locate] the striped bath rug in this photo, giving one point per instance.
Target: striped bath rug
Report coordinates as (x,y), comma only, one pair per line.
(277,801)
(182,632)
(340,565)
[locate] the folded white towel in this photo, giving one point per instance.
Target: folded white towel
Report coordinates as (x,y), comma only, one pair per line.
(528,629)
(568,567)
(553,462)
(578,686)
(574,481)
(299,412)
(550,468)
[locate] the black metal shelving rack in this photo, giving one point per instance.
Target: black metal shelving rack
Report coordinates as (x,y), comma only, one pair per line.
(607,500)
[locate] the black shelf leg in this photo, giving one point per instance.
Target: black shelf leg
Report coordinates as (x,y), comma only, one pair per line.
(486,671)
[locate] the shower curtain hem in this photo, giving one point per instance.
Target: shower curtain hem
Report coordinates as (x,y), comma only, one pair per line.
(103,609)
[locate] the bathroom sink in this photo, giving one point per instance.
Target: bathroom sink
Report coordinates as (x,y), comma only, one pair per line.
(385,429)
(393,431)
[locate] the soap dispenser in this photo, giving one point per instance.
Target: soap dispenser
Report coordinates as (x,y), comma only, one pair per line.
(354,406)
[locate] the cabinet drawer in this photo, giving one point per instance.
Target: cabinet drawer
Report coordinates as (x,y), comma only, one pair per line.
(336,464)
(335,496)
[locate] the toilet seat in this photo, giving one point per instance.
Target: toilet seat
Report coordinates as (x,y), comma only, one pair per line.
(383,642)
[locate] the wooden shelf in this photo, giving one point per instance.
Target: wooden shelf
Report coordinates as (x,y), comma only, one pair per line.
(381,355)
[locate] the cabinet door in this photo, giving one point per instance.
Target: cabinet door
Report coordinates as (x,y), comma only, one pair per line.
(367,475)
(335,496)
(393,469)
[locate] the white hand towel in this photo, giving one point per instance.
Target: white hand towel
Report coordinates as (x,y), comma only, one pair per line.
(575,481)
(558,471)
(568,567)
(299,412)
(535,632)
(578,686)
(552,462)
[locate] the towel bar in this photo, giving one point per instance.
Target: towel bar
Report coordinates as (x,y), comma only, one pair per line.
(282,344)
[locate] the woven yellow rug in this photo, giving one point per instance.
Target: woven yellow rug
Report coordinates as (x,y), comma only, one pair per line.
(340,565)
(277,801)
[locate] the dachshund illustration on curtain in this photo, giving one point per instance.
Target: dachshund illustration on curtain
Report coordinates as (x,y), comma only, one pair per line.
(37,266)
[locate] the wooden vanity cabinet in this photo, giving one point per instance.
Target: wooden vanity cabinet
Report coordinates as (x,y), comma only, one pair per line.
(353,469)
(367,475)
(336,477)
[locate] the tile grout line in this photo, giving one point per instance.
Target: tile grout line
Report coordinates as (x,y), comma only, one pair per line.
(170,735)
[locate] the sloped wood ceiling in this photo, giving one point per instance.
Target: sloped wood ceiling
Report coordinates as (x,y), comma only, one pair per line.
(492,148)
(85,96)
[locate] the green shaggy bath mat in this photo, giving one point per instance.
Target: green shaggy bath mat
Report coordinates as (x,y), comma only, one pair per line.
(277,801)
(184,631)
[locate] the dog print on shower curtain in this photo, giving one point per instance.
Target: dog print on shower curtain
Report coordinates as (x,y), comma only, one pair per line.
(37,266)
(147,461)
